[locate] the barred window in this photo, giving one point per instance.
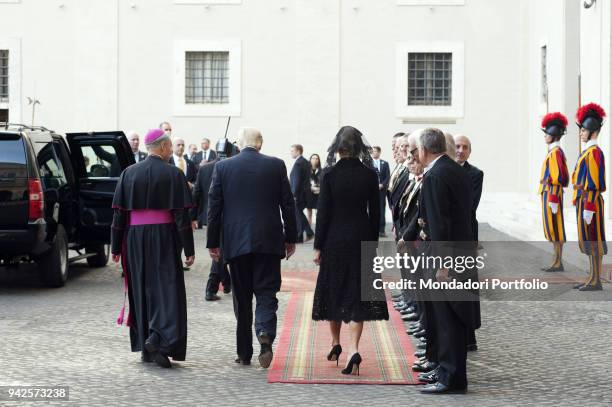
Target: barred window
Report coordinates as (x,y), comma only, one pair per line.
(4,83)
(206,77)
(430,78)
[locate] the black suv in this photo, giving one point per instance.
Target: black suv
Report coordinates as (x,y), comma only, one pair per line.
(55,196)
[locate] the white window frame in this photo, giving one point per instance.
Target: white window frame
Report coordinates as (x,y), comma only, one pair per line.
(431,2)
(456,109)
(14,104)
(10,1)
(233,108)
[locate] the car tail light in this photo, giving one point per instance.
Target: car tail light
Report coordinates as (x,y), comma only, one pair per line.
(37,200)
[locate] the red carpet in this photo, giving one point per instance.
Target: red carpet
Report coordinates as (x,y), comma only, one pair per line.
(302,347)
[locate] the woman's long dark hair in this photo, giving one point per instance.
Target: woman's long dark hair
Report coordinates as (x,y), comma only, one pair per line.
(349,141)
(318,158)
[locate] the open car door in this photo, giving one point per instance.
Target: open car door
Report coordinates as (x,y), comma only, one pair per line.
(98,159)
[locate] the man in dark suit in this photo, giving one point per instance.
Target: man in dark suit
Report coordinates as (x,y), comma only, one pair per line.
(300,185)
(219,272)
(207,154)
(178,160)
(399,180)
(193,155)
(134,140)
(444,214)
(463,152)
(384,176)
(250,200)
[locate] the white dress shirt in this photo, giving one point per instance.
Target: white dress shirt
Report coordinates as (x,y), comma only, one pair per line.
(431,164)
(177,161)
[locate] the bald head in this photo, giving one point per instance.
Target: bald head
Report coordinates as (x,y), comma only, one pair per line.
(463,148)
(134,140)
(178,146)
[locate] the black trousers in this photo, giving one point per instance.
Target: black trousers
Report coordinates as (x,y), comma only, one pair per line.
(383,203)
(219,273)
(257,274)
(451,345)
(302,221)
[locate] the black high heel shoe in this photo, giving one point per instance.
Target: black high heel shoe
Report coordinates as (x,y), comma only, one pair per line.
(353,365)
(334,354)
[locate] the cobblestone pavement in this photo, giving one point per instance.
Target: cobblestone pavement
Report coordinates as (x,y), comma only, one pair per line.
(530,353)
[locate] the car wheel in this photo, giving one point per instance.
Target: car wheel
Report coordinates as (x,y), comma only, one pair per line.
(53,265)
(101,257)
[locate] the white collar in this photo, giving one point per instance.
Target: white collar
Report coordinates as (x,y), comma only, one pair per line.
(176,158)
(590,143)
(431,164)
(553,145)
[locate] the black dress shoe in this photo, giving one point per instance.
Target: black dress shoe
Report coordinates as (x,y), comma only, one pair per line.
(440,388)
(553,269)
(419,353)
(146,357)
(425,367)
(308,238)
(265,354)
(578,286)
(152,343)
(162,361)
(410,317)
(472,347)
(408,310)
(416,324)
(421,345)
(242,362)
(227,290)
(420,334)
(585,287)
(429,377)
(212,297)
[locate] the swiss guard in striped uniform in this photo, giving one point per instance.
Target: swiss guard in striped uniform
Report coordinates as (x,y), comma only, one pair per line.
(589,180)
(553,179)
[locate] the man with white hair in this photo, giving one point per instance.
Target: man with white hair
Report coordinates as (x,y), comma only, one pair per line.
(250,200)
(444,216)
(134,140)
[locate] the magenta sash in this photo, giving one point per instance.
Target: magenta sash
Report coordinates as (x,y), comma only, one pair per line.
(150,217)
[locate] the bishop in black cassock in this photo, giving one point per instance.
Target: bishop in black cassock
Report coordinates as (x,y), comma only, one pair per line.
(151,227)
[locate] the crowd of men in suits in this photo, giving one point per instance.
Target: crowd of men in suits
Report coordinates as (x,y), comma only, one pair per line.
(433,194)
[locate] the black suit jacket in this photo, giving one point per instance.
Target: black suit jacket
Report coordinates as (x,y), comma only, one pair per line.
(476,175)
(445,208)
(196,159)
(200,191)
(384,175)
(192,170)
(141,156)
(300,180)
(250,201)
(212,156)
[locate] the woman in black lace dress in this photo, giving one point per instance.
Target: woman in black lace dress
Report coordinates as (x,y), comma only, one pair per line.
(347,214)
